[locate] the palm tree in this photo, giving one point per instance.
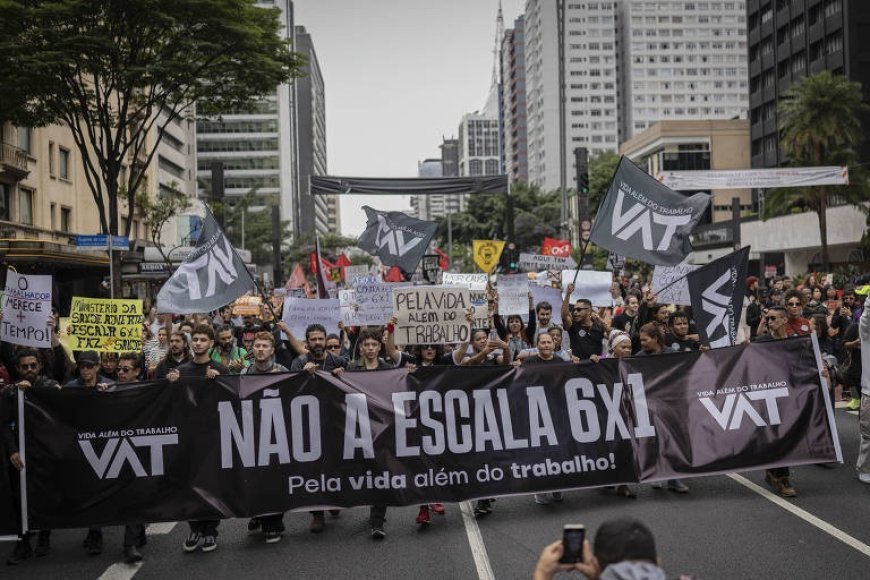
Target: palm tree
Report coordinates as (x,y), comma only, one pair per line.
(819,125)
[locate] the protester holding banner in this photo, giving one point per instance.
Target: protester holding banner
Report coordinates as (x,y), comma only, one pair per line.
(203,533)
(89,375)
(677,334)
(776,323)
(272,525)
(228,353)
(178,354)
(28,367)
(584,329)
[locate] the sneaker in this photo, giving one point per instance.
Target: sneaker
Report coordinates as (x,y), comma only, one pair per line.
(785,488)
(93,543)
(438,508)
(853,405)
(254,525)
(193,541)
(209,544)
(317,524)
(557,496)
(423,516)
(132,555)
(626,491)
(21,552)
(542,499)
(43,544)
(657,485)
(678,486)
(378,532)
(272,537)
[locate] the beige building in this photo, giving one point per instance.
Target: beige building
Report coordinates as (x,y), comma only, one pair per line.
(45,201)
(696,145)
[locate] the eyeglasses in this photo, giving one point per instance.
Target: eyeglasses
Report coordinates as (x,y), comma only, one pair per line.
(28,366)
(794,303)
(771,318)
(126,369)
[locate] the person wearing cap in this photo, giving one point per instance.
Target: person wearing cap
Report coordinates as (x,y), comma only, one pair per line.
(89,377)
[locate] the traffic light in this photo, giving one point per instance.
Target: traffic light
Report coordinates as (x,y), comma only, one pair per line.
(583,181)
(513,266)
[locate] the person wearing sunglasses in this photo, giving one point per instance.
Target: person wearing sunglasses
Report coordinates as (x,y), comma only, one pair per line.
(28,365)
(776,323)
(796,324)
(89,375)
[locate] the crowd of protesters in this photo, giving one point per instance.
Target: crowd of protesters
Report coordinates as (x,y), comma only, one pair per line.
(636,324)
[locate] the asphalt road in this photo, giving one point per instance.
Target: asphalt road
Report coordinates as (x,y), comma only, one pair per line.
(726,527)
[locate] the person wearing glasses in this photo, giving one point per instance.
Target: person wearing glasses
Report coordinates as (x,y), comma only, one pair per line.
(796,324)
(28,366)
(776,324)
(584,328)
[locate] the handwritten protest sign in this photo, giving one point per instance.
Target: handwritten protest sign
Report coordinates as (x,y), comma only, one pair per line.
(591,285)
(375,300)
(513,294)
(349,307)
(547,294)
(300,312)
(105,325)
(431,314)
(676,275)
(535,262)
(351,272)
(470,281)
(26,309)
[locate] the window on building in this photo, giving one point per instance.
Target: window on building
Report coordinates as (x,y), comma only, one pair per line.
(52,170)
(24,139)
(25,206)
(4,201)
(53,216)
(65,219)
(63,162)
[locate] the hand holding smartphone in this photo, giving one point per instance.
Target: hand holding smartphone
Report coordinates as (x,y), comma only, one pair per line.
(572,543)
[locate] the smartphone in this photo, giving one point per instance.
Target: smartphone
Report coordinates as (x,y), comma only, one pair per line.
(572,542)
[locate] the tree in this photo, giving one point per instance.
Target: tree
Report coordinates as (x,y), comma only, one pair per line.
(602,166)
(536,215)
(819,125)
(118,72)
(330,245)
(248,224)
(157,213)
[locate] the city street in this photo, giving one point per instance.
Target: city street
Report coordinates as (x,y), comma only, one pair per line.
(728,526)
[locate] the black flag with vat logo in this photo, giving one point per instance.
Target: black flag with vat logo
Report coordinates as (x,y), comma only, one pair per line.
(716,291)
(212,275)
(644,219)
(395,238)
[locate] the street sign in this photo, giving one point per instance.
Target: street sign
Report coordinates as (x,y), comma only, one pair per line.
(101,242)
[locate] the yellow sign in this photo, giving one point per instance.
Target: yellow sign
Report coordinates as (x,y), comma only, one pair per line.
(487,254)
(105,325)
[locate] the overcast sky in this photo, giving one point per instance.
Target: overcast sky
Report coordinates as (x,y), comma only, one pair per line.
(399,75)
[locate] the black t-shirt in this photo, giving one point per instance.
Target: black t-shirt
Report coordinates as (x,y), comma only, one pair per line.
(358,365)
(681,345)
(166,365)
(586,340)
(193,369)
(536,360)
(329,363)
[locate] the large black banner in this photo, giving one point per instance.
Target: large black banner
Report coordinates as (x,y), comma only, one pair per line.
(9,524)
(239,446)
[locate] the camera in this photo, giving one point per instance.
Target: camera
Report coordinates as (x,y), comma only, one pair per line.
(572,543)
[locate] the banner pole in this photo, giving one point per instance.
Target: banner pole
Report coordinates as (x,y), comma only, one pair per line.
(597,207)
(22,475)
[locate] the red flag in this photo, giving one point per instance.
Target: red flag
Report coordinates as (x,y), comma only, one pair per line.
(554,247)
(341,262)
(297,278)
(444,262)
(394,275)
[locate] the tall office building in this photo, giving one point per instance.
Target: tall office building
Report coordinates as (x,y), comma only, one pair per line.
(257,147)
(683,60)
(313,213)
(790,40)
(592,85)
(513,62)
(627,65)
(428,207)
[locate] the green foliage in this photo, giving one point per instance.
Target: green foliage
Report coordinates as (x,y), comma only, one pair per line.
(330,246)
(156,213)
(601,169)
(536,215)
(819,125)
(251,215)
(106,68)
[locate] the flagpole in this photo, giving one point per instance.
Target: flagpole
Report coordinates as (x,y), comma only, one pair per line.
(587,242)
